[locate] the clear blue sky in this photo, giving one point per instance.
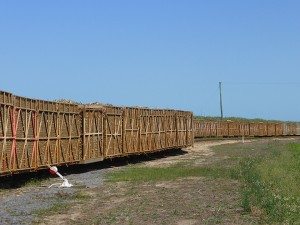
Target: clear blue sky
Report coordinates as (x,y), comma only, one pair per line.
(156,53)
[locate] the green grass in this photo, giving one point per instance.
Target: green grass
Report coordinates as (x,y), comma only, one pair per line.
(272,185)
(137,174)
(269,173)
(81,196)
(56,208)
(62,202)
(35,182)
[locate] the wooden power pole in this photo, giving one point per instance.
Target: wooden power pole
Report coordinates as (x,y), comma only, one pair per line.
(221,105)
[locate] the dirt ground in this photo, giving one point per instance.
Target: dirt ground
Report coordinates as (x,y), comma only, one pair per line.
(92,200)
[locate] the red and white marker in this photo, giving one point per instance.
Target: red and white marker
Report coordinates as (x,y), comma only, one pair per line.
(53,170)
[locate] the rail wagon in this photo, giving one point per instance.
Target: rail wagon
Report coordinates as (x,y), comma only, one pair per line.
(35,133)
(203,129)
(271,129)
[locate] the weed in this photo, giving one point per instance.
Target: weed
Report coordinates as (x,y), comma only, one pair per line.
(136,174)
(271,185)
(80,196)
(56,208)
(34,182)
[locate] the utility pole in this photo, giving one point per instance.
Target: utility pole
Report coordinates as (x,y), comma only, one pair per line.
(221,105)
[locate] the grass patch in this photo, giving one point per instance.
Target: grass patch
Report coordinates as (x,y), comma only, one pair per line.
(56,208)
(62,202)
(137,174)
(268,172)
(34,182)
(81,196)
(272,185)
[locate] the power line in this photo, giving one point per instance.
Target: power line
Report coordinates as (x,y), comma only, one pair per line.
(263,83)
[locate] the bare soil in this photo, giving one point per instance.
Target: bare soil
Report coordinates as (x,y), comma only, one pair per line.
(185,201)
